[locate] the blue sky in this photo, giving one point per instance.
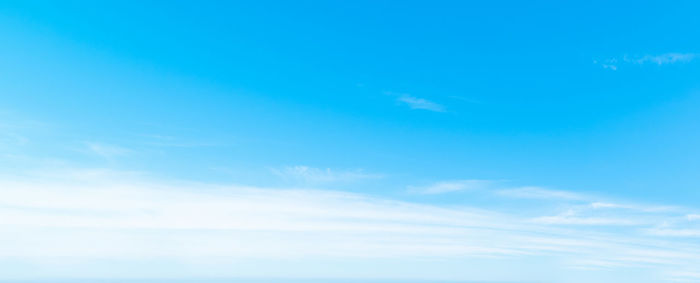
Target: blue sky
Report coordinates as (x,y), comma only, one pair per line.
(448,140)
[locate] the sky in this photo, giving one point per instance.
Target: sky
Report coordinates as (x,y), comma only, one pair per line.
(357,141)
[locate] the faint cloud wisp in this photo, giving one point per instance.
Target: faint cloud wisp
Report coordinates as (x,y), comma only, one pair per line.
(114,216)
(659,60)
(539,193)
(311,175)
(420,103)
(451,186)
(105,150)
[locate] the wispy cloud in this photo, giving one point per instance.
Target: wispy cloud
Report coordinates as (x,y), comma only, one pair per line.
(660,59)
(684,276)
(311,175)
(634,207)
(172,141)
(451,186)
(571,218)
(420,103)
(117,217)
(606,205)
(106,150)
(16,131)
(539,193)
(693,217)
(12,139)
(675,232)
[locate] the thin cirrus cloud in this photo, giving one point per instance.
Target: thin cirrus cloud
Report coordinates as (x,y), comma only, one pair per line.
(570,218)
(106,150)
(668,58)
(8,139)
(496,187)
(659,60)
(199,226)
(451,186)
(420,103)
(539,193)
(632,207)
(312,175)
(693,217)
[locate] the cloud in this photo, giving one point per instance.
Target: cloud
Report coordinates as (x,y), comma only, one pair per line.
(451,186)
(172,141)
(48,221)
(675,232)
(693,217)
(12,139)
(420,103)
(311,175)
(116,218)
(17,132)
(668,58)
(633,207)
(539,193)
(660,59)
(684,276)
(606,205)
(570,218)
(105,150)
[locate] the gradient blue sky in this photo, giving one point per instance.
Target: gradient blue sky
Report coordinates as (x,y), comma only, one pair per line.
(558,141)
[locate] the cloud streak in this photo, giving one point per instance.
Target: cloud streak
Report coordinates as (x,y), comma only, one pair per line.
(662,59)
(539,193)
(451,186)
(659,60)
(311,175)
(106,150)
(420,103)
(127,219)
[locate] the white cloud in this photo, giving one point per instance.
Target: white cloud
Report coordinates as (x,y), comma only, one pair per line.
(311,175)
(693,217)
(570,219)
(420,103)
(684,276)
(9,138)
(103,219)
(609,66)
(606,205)
(451,186)
(633,207)
(105,150)
(539,193)
(121,217)
(662,59)
(659,59)
(675,232)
